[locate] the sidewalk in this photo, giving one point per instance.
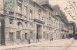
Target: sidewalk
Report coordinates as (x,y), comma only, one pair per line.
(24,45)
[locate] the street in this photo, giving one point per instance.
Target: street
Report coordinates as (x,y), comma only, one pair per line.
(73,47)
(63,44)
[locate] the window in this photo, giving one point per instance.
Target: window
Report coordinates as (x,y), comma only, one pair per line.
(11,36)
(19,24)
(47,36)
(11,21)
(47,21)
(11,13)
(42,18)
(49,14)
(19,5)
(44,35)
(25,10)
(51,22)
(71,28)
(26,23)
(31,24)
(49,28)
(39,13)
(18,34)
(26,36)
(31,13)
(19,9)
(31,34)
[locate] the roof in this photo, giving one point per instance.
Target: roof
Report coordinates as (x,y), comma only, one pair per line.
(43,3)
(37,4)
(72,23)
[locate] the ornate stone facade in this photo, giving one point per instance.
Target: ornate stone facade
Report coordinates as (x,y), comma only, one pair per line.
(31,22)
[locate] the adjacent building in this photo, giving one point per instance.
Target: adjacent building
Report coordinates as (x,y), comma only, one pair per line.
(75,36)
(76,30)
(61,23)
(72,28)
(22,22)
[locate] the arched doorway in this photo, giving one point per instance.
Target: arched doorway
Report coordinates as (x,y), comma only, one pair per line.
(19,32)
(39,33)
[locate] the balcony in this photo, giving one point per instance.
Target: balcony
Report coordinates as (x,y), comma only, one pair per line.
(19,16)
(39,21)
(11,13)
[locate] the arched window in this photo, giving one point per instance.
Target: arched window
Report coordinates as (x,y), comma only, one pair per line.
(20,26)
(11,20)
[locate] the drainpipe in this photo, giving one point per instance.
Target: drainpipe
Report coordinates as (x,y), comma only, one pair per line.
(28,19)
(35,37)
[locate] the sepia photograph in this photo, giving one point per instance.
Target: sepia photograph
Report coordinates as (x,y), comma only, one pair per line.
(38,24)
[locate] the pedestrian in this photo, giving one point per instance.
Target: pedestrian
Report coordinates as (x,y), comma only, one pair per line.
(28,41)
(50,39)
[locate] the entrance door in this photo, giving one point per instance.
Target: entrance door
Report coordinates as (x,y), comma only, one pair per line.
(26,36)
(11,36)
(18,35)
(39,33)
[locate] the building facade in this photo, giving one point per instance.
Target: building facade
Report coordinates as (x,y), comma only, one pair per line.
(76,30)
(72,28)
(27,21)
(21,23)
(61,23)
(75,36)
